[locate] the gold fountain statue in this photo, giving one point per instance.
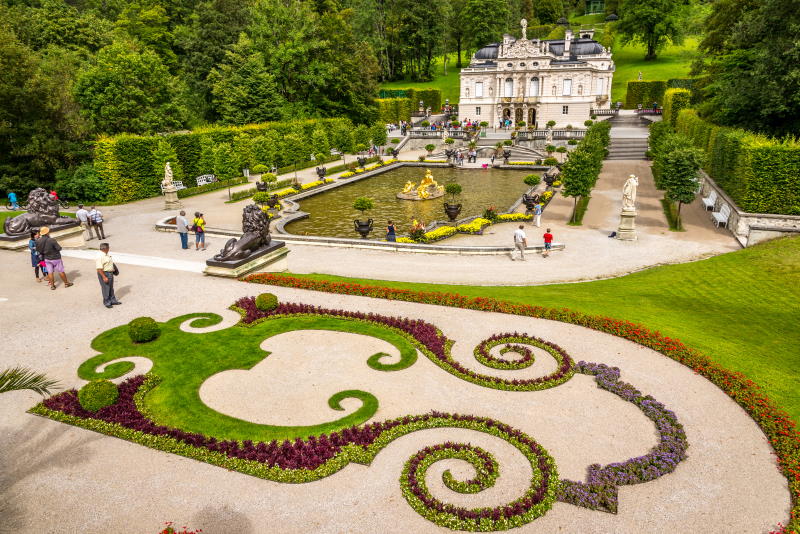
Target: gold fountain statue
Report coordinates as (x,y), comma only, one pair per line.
(427,189)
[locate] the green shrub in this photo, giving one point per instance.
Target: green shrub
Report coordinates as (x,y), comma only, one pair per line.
(550,124)
(550,161)
(266,302)
(453,189)
(98,394)
(588,123)
(674,101)
(395,140)
(645,92)
(508,142)
(143,329)
(394,110)
(191,191)
(430,147)
(259,169)
(262,197)
(449,141)
(81,183)
(425,124)
(532,180)
(269,178)
(572,142)
(363,204)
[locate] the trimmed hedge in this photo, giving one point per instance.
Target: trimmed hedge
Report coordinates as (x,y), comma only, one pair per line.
(645,92)
(222,184)
(125,162)
(674,101)
(266,302)
(760,174)
(394,110)
(98,394)
(143,329)
(431,97)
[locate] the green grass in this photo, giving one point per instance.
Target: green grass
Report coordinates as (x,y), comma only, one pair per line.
(184,360)
(597,20)
(449,85)
(741,309)
(672,62)
(8,214)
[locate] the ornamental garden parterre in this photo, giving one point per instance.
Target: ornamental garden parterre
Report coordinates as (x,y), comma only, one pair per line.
(163,409)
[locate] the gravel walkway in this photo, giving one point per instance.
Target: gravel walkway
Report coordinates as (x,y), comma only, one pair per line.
(57,478)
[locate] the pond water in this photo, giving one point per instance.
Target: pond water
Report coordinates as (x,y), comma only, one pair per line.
(331,213)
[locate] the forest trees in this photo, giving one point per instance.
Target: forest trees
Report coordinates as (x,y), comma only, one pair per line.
(653,23)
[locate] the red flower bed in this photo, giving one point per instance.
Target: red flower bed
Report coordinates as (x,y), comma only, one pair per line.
(775,423)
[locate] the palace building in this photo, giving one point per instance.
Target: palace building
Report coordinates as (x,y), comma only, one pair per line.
(537,81)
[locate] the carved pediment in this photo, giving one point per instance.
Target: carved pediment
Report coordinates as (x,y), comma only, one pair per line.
(522,48)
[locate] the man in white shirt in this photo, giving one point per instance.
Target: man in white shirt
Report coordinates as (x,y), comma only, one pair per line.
(96,220)
(105,274)
(182,227)
(520,242)
(83,217)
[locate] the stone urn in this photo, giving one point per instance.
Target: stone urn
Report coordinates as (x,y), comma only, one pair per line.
(452,210)
(363,228)
(530,201)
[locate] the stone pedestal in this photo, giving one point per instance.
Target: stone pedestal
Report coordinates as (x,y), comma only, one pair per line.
(171,201)
(67,236)
(627,225)
(270,259)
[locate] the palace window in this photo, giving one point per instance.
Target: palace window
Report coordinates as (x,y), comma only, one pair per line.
(509,87)
(565,110)
(477,111)
(600,86)
(478,89)
(567,87)
(534,86)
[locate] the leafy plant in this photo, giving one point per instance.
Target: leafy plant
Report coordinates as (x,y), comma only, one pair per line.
(259,169)
(550,124)
(425,124)
(430,147)
(453,189)
(20,378)
(98,394)
(550,161)
(449,141)
(572,142)
(588,123)
(143,329)
(395,141)
(508,142)
(266,302)
(363,204)
(532,180)
(490,214)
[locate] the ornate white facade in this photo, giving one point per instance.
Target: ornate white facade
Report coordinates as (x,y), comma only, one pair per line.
(537,81)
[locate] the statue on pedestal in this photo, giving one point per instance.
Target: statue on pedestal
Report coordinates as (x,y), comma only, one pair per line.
(524,24)
(629,193)
(171,201)
(42,211)
(255,225)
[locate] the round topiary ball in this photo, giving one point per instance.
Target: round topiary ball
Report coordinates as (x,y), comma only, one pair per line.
(266,302)
(143,329)
(98,394)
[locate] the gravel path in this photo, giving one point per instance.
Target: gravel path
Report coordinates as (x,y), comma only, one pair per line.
(57,478)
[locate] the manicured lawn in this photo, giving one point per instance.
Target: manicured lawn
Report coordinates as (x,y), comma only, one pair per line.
(449,84)
(672,62)
(7,214)
(741,309)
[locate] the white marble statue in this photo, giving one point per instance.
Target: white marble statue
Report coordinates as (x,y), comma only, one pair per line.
(524,24)
(629,193)
(167,183)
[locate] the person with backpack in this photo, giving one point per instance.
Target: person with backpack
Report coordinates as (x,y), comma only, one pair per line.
(199,229)
(36,260)
(537,215)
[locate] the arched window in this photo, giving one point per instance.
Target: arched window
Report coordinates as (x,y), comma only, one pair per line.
(534,86)
(580,89)
(509,87)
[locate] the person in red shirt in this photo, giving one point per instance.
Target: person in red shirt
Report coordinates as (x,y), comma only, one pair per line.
(54,194)
(548,243)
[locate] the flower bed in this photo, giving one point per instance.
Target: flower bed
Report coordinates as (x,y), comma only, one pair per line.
(483,351)
(475,226)
(774,422)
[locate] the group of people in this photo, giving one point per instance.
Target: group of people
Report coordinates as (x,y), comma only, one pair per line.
(472,156)
(521,242)
(91,219)
(198,226)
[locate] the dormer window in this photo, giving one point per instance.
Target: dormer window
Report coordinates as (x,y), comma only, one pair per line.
(509,65)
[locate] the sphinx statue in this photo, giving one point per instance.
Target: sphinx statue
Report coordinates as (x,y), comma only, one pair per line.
(255,225)
(42,211)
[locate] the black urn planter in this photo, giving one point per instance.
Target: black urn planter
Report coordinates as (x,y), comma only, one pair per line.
(452,210)
(363,228)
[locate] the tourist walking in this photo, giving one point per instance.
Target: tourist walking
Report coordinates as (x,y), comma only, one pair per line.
(182,227)
(548,243)
(12,198)
(391,232)
(537,215)
(36,260)
(520,242)
(50,250)
(96,220)
(106,270)
(199,228)
(83,217)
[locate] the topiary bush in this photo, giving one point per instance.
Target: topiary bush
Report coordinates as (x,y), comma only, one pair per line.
(259,169)
(532,180)
(266,302)
(143,329)
(98,394)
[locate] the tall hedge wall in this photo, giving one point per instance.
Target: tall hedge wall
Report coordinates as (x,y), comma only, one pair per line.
(674,101)
(645,92)
(760,174)
(394,110)
(125,162)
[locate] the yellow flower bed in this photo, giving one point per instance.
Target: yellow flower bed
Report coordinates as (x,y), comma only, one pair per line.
(511,217)
(405,240)
(523,163)
(474,227)
(347,174)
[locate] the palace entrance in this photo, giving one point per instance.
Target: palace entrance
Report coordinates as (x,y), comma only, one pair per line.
(531,118)
(518,117)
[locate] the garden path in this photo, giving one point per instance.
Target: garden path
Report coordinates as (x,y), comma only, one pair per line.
(56,477)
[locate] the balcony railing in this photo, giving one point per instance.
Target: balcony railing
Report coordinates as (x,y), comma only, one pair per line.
(611,111)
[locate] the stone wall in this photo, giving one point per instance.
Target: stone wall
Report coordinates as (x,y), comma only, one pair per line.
(751,228)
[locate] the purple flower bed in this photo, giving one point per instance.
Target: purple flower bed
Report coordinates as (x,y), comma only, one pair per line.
(599,492)
(434,344)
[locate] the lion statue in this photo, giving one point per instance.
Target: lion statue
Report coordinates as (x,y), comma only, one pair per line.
(255,225)
(42,211)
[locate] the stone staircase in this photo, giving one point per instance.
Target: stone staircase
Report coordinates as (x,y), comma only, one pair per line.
(628,138)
